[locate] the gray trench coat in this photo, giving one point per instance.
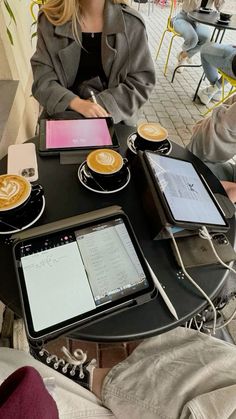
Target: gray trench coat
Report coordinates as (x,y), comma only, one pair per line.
(126,61)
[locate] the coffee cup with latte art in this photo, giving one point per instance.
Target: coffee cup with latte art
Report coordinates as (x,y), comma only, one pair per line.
(106,165)
(150,136)
(15,193)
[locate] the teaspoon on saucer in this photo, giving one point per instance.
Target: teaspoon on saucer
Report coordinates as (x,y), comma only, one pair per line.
(8,225)
(88,174)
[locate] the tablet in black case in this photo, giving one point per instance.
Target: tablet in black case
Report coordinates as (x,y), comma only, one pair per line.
(61,135)
(186,198)
(75,275)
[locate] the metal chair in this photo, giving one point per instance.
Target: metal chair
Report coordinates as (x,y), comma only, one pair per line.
(230,80)
(170,29)
(149,2)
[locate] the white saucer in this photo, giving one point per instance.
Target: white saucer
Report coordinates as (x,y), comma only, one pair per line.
(161,149)
(32,222)
(94,188)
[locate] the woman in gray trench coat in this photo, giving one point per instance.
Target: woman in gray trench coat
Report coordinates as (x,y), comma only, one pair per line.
(98,45)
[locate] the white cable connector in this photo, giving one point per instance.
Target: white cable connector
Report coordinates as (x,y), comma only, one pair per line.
(204,234)
(192,280)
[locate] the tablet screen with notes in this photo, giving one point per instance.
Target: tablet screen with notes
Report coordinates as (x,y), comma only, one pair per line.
(70,277)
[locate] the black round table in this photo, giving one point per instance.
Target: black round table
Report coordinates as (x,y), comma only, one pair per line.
(211,19)
(66,197)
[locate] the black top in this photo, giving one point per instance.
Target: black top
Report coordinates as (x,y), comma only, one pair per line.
(90,65)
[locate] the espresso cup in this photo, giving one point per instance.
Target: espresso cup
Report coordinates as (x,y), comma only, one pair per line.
(106,166)
(15,193)
(150,136)
(225,16)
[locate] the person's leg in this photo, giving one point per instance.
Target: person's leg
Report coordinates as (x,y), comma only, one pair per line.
(195,35)
(173,375)
(203,34)
(186,31)
(98,379)
(214,56)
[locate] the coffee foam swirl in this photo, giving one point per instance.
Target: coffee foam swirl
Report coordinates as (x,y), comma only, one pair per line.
(8,189)
(152,131)
(105,159)
(14,190)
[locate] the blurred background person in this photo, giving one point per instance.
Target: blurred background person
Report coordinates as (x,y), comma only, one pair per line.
(195,34)
(216,56)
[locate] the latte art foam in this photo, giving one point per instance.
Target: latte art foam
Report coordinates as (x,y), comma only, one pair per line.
(14,191)
(104,161)
(8,189)
(152,131)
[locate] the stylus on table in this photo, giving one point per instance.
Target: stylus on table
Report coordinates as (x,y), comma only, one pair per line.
(162,292)
(93,96)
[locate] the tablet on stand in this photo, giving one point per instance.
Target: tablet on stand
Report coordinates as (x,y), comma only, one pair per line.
(72,139)
(176,195)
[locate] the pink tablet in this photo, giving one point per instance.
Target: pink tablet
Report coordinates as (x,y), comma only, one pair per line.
(79,133)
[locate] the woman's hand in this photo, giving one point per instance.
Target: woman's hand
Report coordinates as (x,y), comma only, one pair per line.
(230,189)
(87,108)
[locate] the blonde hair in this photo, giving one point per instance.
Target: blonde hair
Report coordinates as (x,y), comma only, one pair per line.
(59,12)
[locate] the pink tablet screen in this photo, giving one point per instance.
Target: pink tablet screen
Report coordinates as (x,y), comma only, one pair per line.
(77,133)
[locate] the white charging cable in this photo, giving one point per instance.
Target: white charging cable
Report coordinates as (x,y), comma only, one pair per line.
(204,234)
(192,280)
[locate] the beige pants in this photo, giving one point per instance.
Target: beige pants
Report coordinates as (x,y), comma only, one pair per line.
(182,374)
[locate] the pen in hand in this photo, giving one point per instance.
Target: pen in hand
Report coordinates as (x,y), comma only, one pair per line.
(94,100)
(93,96)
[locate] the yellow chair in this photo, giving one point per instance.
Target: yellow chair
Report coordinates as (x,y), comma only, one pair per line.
(170,29)
(231,81)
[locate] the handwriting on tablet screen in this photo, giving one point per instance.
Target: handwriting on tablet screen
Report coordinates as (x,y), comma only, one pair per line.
(55,295)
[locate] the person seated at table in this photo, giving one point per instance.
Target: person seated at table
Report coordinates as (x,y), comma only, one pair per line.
(195,34)
(214,142)
(216,56)
(90,45)
(180,374)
